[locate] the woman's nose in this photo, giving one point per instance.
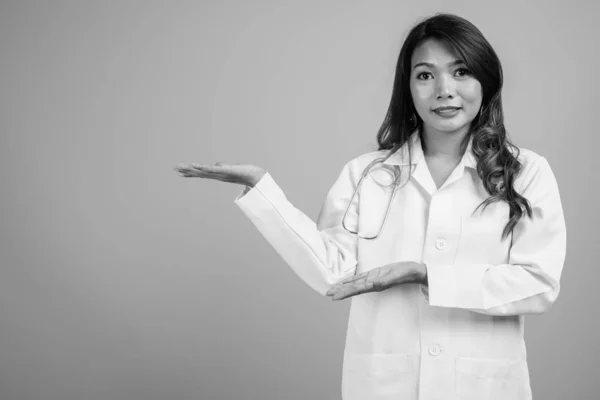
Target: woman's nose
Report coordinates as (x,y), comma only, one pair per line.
(445,88)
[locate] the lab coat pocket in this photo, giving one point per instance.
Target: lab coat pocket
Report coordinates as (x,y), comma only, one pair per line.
(380,377)
(491,379)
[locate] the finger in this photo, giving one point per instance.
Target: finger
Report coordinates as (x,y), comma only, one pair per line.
(221,176)
(352,288)
(197,173)
(355,277)
(353,292)
(184,168)
(345,286)
(204,170)
(182,171)
(215,169)
(179,167)
(356,281)
(340,288)
(200,166)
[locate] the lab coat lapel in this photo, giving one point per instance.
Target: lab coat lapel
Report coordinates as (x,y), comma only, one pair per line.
(423,177)
(420,171)
(417,163)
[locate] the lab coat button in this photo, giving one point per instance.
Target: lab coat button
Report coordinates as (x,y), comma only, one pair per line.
(434,350)
(440,244)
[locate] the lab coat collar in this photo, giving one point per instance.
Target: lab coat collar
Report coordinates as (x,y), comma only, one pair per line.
(400,157)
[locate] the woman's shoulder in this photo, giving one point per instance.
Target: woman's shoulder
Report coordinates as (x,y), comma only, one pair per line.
(364,159)
(527,157)
(357,165)
(524,155)
(533,166)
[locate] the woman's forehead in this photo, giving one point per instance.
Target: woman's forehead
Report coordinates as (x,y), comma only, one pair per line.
(434,52)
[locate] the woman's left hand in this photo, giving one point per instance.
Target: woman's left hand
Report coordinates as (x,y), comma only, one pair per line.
(379,279)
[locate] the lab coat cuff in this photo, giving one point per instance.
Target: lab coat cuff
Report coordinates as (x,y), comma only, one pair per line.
(455,285)
(265,187)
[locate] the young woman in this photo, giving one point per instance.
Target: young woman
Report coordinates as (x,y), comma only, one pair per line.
(444,238)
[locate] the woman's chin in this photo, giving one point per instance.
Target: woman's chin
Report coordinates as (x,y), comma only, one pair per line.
(448,126)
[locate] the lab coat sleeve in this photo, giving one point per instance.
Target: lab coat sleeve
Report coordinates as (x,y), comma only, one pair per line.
(321,254)
(530,282)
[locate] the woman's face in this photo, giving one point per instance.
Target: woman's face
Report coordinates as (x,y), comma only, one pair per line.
(438,79)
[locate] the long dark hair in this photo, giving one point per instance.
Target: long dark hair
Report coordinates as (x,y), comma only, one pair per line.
(496,165)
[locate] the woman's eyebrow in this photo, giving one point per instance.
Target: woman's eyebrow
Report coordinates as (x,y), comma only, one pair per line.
(450,64)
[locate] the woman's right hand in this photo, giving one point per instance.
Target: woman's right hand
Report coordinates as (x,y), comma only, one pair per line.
(243,174)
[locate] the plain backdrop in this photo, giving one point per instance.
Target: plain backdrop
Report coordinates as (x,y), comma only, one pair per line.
(120,280)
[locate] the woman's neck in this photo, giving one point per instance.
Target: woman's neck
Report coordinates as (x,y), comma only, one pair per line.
(444,146)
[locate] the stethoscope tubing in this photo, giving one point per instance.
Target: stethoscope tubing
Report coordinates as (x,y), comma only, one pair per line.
(396,185)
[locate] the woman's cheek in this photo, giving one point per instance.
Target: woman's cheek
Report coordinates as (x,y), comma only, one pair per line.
(421,97)
(472,91)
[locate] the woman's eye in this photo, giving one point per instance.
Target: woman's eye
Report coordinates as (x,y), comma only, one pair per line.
(461,72)
(465,71)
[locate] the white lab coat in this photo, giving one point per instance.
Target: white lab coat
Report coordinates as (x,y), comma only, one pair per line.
(462,336)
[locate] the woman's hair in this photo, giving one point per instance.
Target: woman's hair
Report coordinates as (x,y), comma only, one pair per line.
(496,165)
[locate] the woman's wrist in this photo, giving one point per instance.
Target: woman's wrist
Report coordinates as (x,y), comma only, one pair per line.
(256,178)
(423,274)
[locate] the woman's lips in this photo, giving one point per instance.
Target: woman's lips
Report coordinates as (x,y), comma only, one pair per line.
(449,112)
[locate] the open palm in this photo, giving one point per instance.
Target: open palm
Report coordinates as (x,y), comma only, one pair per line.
(243,174)
(376,280)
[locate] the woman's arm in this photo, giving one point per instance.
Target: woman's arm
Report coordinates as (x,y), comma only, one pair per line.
(530,282)
(322,253)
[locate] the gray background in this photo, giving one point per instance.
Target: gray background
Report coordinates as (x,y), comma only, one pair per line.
(121,280)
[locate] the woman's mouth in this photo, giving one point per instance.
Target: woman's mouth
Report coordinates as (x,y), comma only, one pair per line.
(447,112)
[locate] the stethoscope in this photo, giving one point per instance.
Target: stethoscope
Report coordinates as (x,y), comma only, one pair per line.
(392,177)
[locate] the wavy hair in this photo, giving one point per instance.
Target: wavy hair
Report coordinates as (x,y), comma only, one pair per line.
(497,166)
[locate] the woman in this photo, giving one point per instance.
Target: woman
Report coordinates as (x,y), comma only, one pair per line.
(445,243)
